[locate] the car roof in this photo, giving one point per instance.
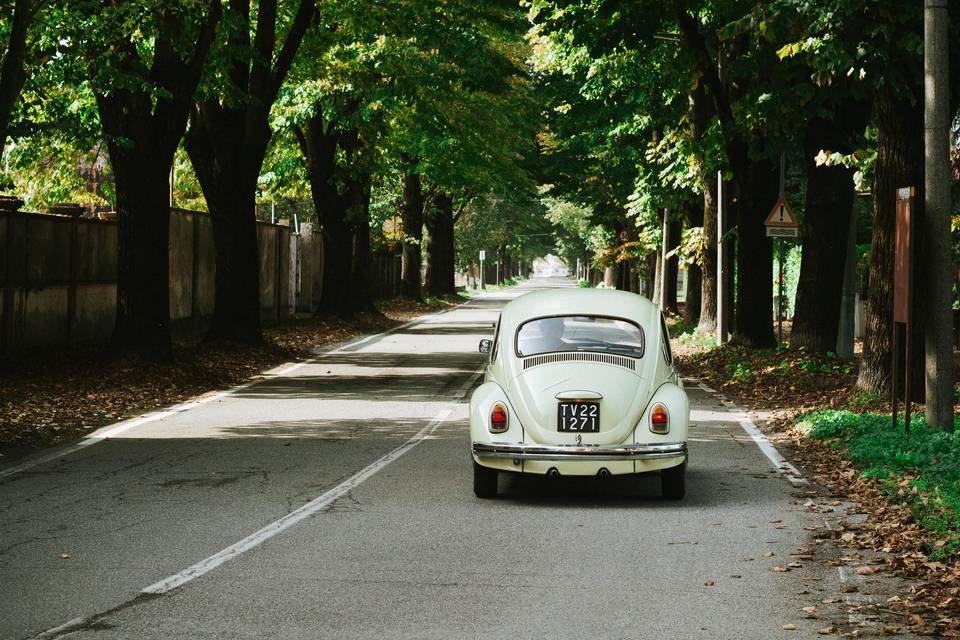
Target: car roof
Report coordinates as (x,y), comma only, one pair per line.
(571,301)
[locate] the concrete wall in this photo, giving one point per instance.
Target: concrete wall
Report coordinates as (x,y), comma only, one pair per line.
(58,277)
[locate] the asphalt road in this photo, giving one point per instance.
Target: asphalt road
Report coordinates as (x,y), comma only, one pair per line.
(244,517)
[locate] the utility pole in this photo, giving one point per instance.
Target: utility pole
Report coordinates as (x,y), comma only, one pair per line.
(665,249)
(938,341)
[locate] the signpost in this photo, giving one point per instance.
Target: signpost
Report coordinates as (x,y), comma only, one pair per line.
(903,299)
(781,223)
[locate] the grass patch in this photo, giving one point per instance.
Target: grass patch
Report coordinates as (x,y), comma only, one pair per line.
(922,470)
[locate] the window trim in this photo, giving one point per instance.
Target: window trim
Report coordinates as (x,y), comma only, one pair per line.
(665,341)
(643,335)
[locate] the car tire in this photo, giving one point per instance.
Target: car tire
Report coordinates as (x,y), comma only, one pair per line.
(673,483)
(484,481)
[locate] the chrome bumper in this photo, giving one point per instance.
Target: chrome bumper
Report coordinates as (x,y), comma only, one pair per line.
(581,452)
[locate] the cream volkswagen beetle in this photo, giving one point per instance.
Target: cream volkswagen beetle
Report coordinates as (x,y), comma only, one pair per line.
(579,382)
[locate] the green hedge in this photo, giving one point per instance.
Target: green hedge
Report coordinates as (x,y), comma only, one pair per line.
(929,461)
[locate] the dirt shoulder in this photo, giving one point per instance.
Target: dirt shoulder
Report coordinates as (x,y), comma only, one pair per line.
(47,399)
(778,387)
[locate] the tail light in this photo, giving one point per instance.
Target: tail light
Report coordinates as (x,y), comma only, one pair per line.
(659,420)
(499,420)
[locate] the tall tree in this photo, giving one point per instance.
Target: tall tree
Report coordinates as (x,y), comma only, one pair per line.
(937,250)
(144,77)
(830,194)
(227,140)
(16,25)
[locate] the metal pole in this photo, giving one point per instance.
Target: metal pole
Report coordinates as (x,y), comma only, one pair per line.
(779,292)
(273,212)
(722,329)
(483,282)
(780,260)
(664,250)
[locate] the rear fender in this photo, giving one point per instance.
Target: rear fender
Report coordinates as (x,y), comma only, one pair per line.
(481,404)
(678,411)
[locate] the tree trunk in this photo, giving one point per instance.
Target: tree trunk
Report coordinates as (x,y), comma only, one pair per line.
(412,217)
(318,142)
(226,148)
(143,229)
(361,297)
(755,187)
(705,292)
(708,271)
(899,164)
(439,277)
(829,203)
(143,130)
(609,276)
(227,142)
(939,362)
(753,313)
(12,74)
(692,301)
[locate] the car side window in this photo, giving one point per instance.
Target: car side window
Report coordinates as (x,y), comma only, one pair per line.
(665,340)
(496,343)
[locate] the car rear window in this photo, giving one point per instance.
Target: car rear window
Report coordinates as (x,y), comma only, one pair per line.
(580,333)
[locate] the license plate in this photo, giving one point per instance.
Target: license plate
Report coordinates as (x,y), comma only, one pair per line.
(579,417)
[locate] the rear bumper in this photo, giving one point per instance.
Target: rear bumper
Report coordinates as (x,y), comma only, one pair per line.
(581,452)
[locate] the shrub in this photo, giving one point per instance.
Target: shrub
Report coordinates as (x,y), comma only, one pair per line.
(922,469)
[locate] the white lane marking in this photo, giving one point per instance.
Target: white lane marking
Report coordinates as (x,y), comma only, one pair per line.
(66,628)
(109,431)
(852,616)
(779,462)
(312,507)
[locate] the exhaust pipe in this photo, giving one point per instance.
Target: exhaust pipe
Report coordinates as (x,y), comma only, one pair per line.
(553,473)
(603,473)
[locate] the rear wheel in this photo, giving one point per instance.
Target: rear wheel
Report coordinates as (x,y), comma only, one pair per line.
(673,484)
(484,481)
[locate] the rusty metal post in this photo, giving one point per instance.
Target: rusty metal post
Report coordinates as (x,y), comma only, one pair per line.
(903,296)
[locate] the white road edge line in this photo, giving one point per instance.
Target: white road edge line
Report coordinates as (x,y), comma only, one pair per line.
(779,462)
(109,431)
(320,502)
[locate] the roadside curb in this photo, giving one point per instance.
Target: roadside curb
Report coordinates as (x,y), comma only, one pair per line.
(738,415)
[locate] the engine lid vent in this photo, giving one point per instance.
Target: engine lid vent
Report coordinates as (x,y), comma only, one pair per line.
(580,356)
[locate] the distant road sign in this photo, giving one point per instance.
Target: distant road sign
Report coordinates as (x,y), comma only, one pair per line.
(783,232)
(483,254)
(781,215)
(781,222)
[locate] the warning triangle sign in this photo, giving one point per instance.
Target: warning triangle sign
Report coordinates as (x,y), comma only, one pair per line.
(781,215)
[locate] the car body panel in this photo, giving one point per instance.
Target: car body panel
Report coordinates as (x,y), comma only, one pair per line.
(626,390)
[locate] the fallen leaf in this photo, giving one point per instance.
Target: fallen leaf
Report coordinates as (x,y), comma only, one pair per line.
(827,631)
(789,627)
(848,588)
(683,542)
(709,583)
(768,554)
(779,569)
(866,571)
(64,555)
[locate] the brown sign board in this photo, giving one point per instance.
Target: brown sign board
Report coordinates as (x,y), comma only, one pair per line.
(781,215)
(903,256)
